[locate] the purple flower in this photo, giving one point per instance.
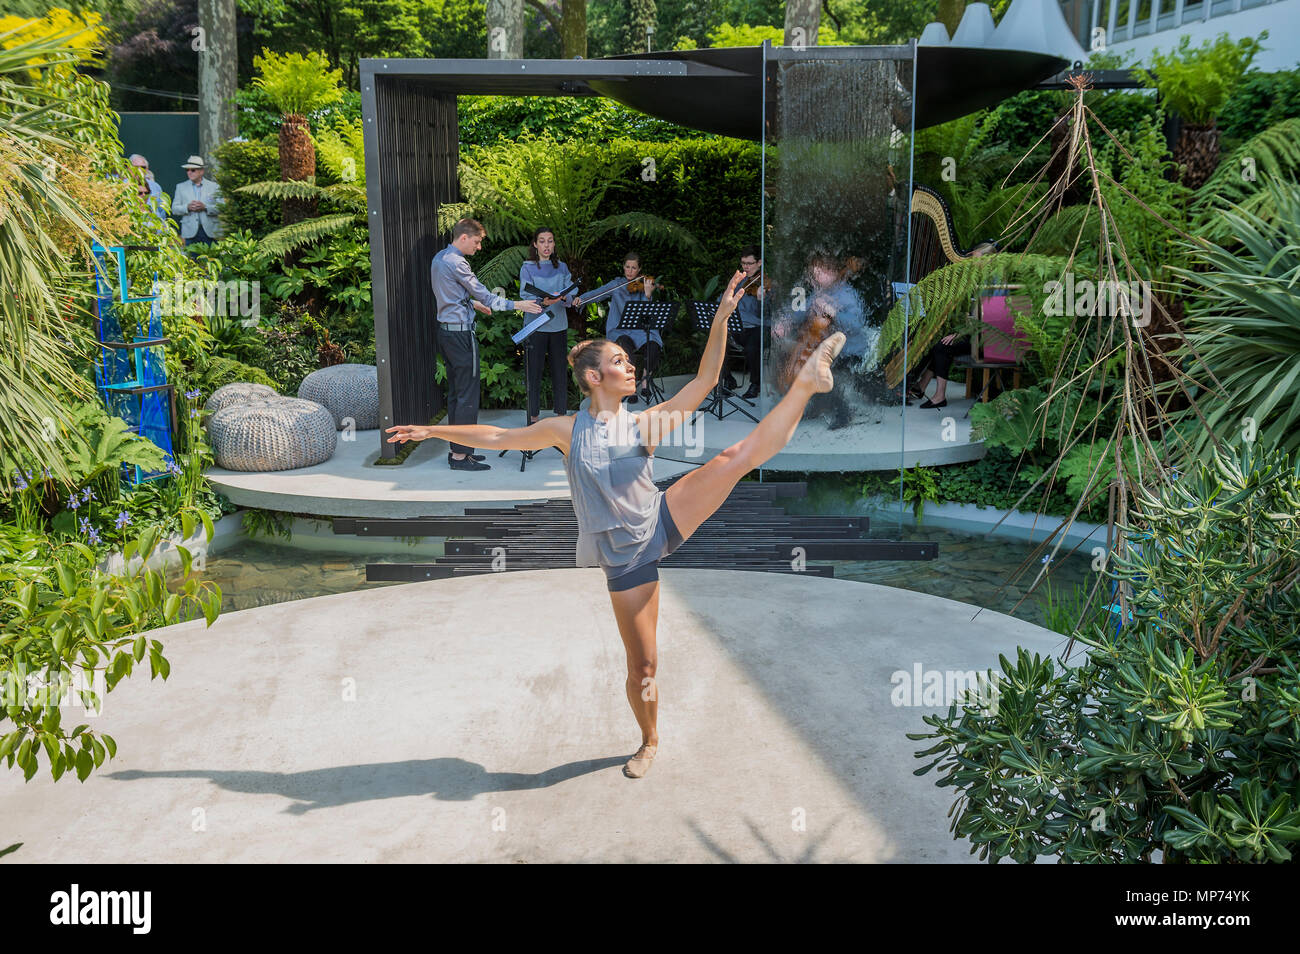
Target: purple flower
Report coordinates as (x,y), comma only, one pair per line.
(94,535)
(192,394)
(45,472)
(85,524)
(1046,559)
(87,496)
(174,469)
(123,519)
(194,412)
(22,484)
(73,504)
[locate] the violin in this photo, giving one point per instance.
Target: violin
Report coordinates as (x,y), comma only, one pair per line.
(637,285)
(750,285)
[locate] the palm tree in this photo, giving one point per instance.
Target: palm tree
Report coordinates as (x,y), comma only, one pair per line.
(297,85)
(45,235)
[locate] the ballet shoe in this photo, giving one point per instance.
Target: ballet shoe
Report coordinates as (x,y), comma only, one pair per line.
(817,369)
(639,764)
(929,403)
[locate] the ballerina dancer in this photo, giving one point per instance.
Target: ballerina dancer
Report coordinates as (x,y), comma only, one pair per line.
(626,525)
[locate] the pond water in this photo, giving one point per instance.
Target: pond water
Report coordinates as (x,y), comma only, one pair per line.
(970,568)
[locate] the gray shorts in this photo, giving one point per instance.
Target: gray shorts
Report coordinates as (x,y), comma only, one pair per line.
(645,568)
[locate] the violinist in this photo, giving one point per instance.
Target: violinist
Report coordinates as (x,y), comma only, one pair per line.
(633,286)
(755,285)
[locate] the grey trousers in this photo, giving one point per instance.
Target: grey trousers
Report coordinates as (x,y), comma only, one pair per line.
(459,350)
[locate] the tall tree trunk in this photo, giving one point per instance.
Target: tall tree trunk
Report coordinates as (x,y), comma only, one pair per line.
(573,28)
(505,27)
(802,17)
(216,45)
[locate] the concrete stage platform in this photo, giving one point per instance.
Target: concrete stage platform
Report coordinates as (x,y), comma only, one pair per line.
(489,724)
(351,484)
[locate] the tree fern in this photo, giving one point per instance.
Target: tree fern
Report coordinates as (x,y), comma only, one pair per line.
(1272,155)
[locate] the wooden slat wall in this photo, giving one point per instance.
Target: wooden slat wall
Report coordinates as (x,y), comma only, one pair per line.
(418,140)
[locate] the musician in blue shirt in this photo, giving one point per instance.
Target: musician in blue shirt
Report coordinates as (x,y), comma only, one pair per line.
(544,270)
(630,340)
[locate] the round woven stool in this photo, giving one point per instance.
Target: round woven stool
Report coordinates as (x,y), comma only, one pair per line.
(280,434)
(241,392)
(350,391)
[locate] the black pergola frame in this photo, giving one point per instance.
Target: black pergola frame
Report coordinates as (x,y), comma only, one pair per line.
(412,140)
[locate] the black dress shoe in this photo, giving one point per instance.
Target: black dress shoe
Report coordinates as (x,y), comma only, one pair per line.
(474,456)
(751,392)
(943,403)
(730,383)
(468,463)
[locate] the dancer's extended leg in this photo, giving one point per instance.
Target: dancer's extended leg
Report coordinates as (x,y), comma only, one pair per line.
(695,497)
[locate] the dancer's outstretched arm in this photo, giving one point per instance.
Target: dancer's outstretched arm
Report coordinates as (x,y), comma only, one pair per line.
(548,432)
(663,418)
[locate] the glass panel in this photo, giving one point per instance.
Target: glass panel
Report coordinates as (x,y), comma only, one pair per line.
(836,196)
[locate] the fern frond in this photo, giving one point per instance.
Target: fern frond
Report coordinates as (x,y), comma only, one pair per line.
(347,195)
(947,292)
(285,240)
(283,190)
(1272,155)
(503,270)
(644,225)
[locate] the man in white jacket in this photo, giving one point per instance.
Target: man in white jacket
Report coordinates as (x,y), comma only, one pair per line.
(197,203)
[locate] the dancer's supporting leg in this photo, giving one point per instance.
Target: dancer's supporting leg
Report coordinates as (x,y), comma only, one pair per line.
(637,613)
(696,496)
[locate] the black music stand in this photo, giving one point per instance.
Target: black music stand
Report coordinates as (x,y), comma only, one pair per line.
(523,344)
(704,312)
(649,316)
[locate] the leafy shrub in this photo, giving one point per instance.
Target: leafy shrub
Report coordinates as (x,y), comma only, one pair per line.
(62,620)
(1262,100)
(1180,730)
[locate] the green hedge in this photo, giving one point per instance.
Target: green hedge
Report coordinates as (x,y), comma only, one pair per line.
(1262,100)
(238,164)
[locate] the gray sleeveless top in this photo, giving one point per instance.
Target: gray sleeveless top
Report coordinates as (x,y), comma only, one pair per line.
(612,488)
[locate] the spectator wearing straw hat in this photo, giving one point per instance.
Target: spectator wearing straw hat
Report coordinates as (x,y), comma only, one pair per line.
(197,203)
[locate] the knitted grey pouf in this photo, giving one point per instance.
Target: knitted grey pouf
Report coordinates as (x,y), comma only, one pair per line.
(349,391)
(241,392)
(272,435)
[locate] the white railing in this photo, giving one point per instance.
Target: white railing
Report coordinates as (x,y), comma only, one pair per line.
(1128,19)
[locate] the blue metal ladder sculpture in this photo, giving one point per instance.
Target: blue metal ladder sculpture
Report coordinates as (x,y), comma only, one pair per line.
(131,375)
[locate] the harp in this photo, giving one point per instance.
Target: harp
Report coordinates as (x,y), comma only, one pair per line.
(934,245)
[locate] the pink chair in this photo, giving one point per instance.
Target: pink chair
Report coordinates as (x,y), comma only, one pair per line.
(1000,347)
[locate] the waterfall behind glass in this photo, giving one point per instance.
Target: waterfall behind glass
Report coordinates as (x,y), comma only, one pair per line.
(837,197)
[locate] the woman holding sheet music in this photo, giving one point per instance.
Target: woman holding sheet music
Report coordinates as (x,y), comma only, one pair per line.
(543,270)
(631,287)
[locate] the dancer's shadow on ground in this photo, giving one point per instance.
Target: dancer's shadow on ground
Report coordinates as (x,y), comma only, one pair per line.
(451,780)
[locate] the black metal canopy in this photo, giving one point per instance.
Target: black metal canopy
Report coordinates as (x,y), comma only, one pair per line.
(719,90)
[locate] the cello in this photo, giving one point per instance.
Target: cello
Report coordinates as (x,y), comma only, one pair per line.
(818,324)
